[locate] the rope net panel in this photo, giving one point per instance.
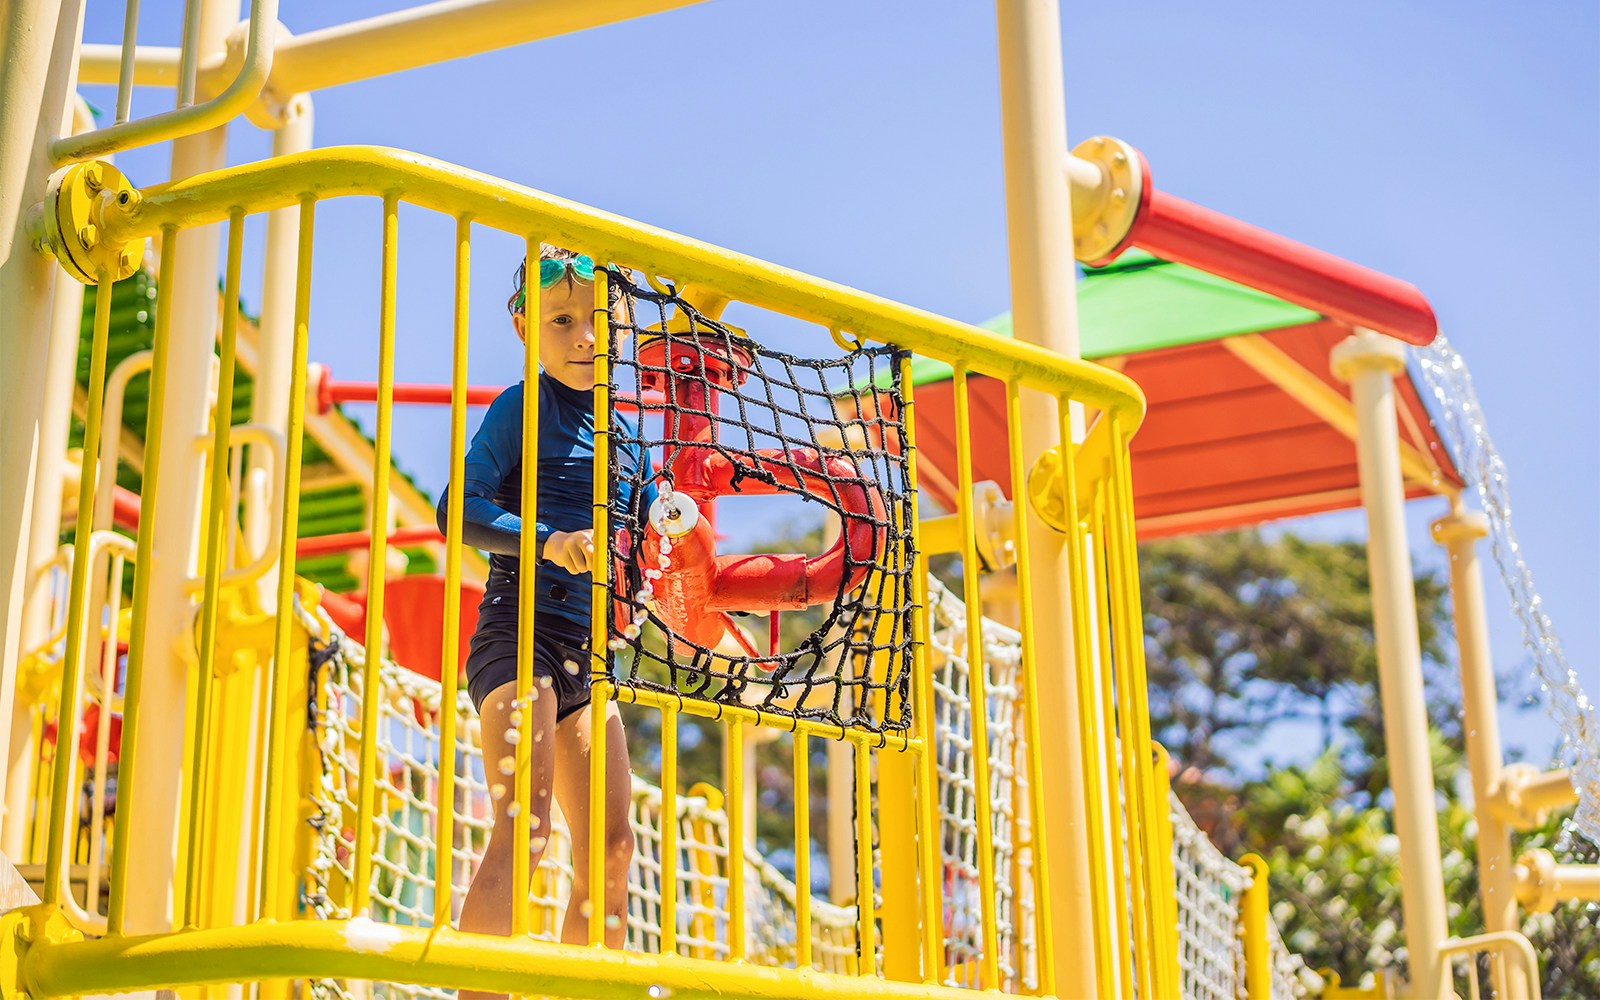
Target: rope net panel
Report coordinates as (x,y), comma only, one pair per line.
(1208,885)
(727,417)
(404,847)
(958,802)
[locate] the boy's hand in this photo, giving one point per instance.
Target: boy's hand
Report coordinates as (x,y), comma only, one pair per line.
(571,550)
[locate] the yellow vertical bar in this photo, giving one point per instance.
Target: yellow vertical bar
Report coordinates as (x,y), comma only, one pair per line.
(211,575)
(1166,967)
(1253,916)
(1166,886)
(1030,695)
(926,772)
(527,597)
(1121,894)
(133,673)
(444,836)
(1096,804)
(77,613)
(600,609)
(868,934)
(979,710)
(1133,725)
(802,849)
(377,562)
(734,749)
(669,828)
(282,741)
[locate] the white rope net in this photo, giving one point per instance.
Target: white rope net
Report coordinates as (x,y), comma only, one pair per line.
(1208,885)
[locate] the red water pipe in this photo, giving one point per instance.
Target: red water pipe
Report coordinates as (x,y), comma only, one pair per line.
(330,391)
(1186,233)
(699,586)
(349,541)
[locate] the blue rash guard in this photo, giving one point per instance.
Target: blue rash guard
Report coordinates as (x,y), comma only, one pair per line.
(491,513)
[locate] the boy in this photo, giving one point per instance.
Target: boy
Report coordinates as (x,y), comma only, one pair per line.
(491,520)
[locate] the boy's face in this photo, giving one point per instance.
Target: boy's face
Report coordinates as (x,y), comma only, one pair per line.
(566,332)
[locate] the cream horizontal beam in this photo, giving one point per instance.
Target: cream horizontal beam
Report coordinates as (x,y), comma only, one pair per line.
(389,43)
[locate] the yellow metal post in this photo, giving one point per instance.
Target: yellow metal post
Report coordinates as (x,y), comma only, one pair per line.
(1044,311)
(1254,915)
(1369,362)
(283,739)
(450,653)
(600,608)
(377,567)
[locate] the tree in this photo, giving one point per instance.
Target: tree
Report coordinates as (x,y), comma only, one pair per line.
(1243,632)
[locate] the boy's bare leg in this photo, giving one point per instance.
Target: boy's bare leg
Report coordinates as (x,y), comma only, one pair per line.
(487,908)
(572,788)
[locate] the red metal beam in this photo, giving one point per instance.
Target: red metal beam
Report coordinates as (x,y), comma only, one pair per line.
(1186,233)
(349,541)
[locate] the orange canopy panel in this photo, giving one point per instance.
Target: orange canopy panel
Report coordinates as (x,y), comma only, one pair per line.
(1221,447)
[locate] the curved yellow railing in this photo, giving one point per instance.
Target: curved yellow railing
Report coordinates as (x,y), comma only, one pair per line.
(1117,787)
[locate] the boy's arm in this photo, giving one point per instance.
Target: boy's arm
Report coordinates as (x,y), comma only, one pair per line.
(496,450)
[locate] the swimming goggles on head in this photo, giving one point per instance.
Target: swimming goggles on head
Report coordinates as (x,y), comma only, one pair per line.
(551,271)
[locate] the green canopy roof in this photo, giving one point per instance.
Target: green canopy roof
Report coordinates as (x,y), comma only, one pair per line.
(1141,303)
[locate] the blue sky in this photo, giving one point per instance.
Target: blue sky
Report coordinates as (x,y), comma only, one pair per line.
(1455,145)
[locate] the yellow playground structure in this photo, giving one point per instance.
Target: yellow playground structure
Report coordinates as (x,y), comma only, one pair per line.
(242,761)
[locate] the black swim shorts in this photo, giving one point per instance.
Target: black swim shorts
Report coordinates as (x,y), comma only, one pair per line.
(560,653)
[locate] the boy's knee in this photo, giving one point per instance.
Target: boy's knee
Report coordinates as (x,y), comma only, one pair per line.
(619,842)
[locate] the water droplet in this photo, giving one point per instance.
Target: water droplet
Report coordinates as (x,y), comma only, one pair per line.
(652,574)
(613,921)
(666,563)
(631,631)
(658,993)
(513,737)
(616,644)
(544,793)
(508,764)
(497,790)
(666,546)
(538,843)
(533,821)
(545,682)
(571,668)
(516,718)
(538,737)
(514,809)
(585,909)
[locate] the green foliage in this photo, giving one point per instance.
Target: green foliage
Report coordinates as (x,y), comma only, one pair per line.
(1245,633)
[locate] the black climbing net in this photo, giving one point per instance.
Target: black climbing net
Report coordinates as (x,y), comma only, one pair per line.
(846,660)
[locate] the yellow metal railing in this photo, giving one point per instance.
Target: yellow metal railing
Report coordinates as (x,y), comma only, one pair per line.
(236,933)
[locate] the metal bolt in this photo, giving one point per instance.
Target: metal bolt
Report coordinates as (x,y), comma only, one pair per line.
(88,236)
(129,258)
(1118,194)
(93,177)
(1119,158)
(129,199)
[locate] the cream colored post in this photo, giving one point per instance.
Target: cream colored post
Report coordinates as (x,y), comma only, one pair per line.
(275,345)
(174,520)
(1459,532)
(55,419)
(38,63)
(1369,362)
(1045,312)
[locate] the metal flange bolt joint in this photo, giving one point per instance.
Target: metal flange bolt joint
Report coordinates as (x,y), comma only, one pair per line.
(1110,182)
(1047,490)
(79,201)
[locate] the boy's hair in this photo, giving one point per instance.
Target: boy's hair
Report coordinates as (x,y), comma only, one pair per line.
(519,280)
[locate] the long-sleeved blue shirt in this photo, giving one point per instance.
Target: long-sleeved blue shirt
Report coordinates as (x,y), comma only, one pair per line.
(491,512)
